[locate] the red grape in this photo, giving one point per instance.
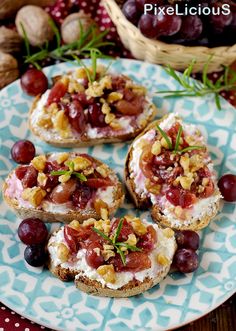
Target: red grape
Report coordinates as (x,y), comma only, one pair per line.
(227,186)
(81,196)
(179,197)
(219,21)
(186,260)
(125,230)
(130,11)
(167,25)
(30,177)
(71,237)
(135,261)
(148,240)
(187,239)
(95,115)
(34,82)
(57,92)
(76,116)
(93,259)
(62,192)
(32,231)
(35,255)
(191,28)
(98,182)
(23,151)
(147,25)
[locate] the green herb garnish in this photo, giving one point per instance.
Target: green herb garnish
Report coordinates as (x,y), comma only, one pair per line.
(116,244)
(194,88)
(89,41)
(69,172)
(177,143)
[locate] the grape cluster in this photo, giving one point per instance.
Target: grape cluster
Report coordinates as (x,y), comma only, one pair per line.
(186,258)
(192,30)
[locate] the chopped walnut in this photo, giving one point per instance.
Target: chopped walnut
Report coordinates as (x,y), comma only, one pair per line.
(138,226)
(65,80)
(75,225)
(101,208)
(139,90)
(152,187)
(168,232)
(63,252)
(80,73)
(179,212)
(74,86)
(90,221)
(107,272)
(156,148)
(81,163)
(196,162)
(64,178)
(116,125)
(132,240)
(34,195)
(205,181)
(39,162)
(62,157)
(109,118)
(88,171)
(184,162)
(105,108)
(186,182)
(103,225)
(103,170)
(114,96)
(61,124)
(42,179)
(164,142)
(45,121)
(162,259)
(96,89)
(52,109)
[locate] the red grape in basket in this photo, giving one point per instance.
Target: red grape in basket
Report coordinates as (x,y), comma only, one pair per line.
(167,25)
(23,151)
(130,11)
(34,82)
(191,28)
(219,21)
(147,25)
(32,231)
(227,186)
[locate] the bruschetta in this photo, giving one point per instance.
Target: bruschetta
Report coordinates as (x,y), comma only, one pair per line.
(114,258)
(63,187)
(77,112)
(168,168)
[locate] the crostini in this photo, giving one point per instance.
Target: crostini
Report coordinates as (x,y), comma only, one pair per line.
(63,187)
(169,169)
(117,258)
(77,112)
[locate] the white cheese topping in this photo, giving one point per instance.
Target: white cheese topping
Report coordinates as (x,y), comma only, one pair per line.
(202,207)
(165,246)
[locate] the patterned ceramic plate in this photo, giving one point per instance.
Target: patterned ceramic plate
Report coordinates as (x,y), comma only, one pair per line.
(179,299)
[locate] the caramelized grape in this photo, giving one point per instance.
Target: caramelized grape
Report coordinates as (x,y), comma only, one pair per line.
(32,231)
(34,82)
(186,260)
(135,261)
(76,116)
(164,159)
(23,151)
(21,171)
(35,255)
(227,186)
(93,259)
(95,116)
(71,237)
(62,192)
(81,196)
(187,239)
(148,240)
(125,230)
(98,182)
(57,92)
(179,197)
(30,177)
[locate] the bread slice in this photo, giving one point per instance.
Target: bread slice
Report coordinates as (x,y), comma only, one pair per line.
(44,124)
(165,213)
(88,280)
(50,212)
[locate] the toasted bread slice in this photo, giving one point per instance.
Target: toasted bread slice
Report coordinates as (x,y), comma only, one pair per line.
(117,101)
(104,199)
(112,282)
(189,172)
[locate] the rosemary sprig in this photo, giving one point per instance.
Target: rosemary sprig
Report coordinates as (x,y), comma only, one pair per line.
(89,40)
(69,172)
(194,88)
(177,142)
(116,244)
(165,136)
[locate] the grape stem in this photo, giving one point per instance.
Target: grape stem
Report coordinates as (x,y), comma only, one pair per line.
(194,88)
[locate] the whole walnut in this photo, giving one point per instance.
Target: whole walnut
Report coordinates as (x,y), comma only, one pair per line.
(10,41)
(8,8)
(8,69)
(36,24)
(71,26)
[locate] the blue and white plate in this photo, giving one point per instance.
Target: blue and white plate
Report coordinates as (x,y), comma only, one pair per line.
(180,298)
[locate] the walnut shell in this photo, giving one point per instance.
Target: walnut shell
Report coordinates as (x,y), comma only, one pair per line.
(70,28)
(8,69)
(10,41)
(36,24)
(9,8)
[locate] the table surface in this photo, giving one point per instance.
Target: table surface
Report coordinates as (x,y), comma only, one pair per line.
(221,319)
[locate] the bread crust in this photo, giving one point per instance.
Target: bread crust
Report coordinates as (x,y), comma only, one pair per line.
(144,203)
(75,142)
(46,216)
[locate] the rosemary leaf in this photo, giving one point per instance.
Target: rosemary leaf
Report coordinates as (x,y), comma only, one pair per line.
(80,176)
(58,173)
(132,248)
(164,135)
(122,255)
(102,235)
(118,229)
(190,148)
(180,130)
(56,31)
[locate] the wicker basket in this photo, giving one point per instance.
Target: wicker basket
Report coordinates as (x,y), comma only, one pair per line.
(155,51)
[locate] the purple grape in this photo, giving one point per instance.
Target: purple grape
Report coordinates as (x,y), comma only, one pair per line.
(35,255)
(147,26)
(187,239)
(130,11)
(32,231)
(167,25)
(186,260)
(219,22)
(191,28)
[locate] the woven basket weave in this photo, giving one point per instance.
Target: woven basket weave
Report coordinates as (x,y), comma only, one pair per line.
(155,51)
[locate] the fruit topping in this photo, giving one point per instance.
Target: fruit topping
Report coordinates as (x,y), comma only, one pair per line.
(95,115)
(180,197)
(227,186)
(62,192)
(94,256)
(57,92)
(76,116)
(32,231)
(81,195)
(23,151)
(34,82)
